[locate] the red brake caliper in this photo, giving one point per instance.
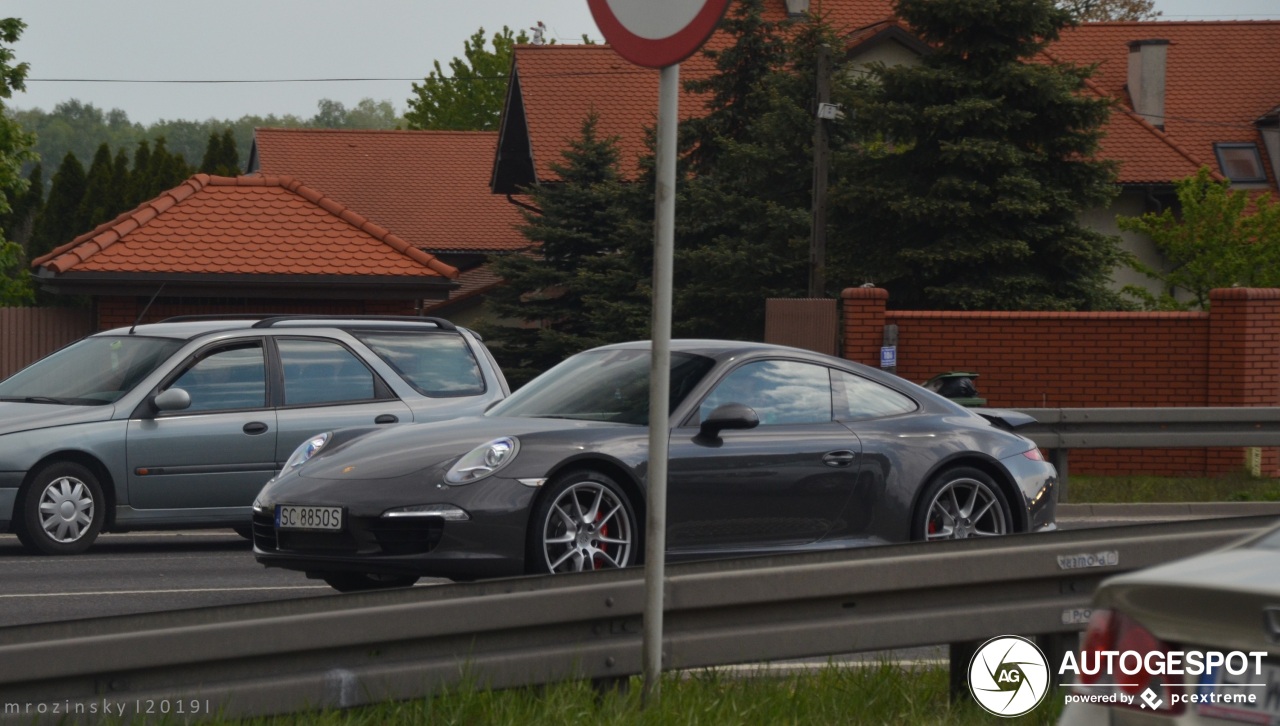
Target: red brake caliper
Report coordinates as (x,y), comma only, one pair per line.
(603,532)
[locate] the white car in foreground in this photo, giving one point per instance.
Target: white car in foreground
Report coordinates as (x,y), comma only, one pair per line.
(1189,642)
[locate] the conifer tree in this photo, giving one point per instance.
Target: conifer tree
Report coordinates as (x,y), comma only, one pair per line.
(19,223)
(553,291)
(60,221)
(139,184)
(975,166)
(96,206)
(220,156)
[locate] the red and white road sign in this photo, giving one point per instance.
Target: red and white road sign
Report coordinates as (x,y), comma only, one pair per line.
(657,33)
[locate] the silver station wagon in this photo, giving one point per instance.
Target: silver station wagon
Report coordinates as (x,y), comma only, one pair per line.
(178,424)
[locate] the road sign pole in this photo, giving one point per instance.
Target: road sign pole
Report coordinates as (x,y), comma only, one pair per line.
(664,225)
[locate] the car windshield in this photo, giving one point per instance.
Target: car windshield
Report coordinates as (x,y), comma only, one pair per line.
(602,385)
(92,372)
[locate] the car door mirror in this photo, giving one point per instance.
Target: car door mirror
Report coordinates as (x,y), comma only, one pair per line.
(728,416)
(174,399)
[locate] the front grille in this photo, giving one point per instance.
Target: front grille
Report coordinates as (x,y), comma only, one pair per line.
(407,535)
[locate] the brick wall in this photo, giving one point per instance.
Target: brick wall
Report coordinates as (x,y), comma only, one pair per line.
(1226,357)
(115,312)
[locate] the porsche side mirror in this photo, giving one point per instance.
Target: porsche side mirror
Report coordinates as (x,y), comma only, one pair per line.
(728,416)
(174,399)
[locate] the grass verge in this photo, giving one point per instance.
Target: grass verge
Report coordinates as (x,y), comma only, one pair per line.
(874,694)
(1150,489)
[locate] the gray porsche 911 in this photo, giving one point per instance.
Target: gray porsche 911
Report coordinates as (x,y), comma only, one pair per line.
(772,450)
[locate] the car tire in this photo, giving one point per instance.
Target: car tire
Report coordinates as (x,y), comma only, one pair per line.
(62,510)
(362,581)
(583,521)
(959,503)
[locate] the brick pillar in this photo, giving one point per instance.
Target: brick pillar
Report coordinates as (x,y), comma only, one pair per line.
(864,323)
(1244,358)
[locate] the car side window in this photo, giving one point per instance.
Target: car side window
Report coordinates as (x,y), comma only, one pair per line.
(859,399)
(322,371)
(227,378)
(779,391)
(435,365)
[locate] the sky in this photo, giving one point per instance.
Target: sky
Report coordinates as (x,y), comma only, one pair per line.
(272,40)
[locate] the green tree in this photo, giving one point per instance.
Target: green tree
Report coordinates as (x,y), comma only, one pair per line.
(60,221)
(1217,238)
(743,216)
(471,97)
(976,164)
(220,156)
(100,202)
(1086,11)
(553,295)
(15,144)
(19,223)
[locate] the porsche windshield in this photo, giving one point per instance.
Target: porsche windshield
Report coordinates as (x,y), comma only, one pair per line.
(602,385)
(91,372)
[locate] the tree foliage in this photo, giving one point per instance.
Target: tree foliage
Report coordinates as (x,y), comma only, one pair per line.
(220,155)
(1086,11)
(554,298)
(1217,238)
(80,128)
(15,143)
(470,98)
(966,190)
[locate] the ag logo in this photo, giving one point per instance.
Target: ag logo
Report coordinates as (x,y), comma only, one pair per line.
(1009,676)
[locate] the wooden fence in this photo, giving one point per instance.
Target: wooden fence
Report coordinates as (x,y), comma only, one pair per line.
(27,334)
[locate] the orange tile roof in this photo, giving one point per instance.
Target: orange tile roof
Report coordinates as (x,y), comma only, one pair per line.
(561,84)
(429,187)
(257,225)
(1218,81)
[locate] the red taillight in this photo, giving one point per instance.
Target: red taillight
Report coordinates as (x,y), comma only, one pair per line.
(1113,642)
(1034,455)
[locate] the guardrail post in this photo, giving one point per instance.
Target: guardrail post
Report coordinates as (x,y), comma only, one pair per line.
(1055,647)
(960,656)
(1058,457)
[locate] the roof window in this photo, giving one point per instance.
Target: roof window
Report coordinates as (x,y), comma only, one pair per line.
(1241,163)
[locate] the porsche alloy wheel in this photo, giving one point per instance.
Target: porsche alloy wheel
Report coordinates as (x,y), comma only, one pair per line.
(963,503)
(585,522)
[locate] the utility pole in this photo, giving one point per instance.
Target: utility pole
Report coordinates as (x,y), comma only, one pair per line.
(821,160)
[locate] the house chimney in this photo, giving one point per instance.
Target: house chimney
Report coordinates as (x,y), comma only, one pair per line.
(797,7)
(1146,79)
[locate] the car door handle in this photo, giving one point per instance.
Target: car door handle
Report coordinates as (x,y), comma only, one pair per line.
(839,458)
(387,418)
(253,428)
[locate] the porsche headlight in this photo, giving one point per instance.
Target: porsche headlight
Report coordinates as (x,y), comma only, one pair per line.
(306,450)
(483,460)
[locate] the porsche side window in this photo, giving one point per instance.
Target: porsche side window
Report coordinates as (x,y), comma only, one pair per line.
(226,379)
(780,392)
(321,371)
(858,399)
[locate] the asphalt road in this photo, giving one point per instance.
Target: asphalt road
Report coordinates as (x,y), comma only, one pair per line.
(139,573)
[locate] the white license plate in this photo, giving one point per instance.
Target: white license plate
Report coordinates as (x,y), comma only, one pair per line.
(328,519)
(1262,708)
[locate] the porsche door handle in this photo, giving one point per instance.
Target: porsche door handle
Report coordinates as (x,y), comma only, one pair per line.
(387,418)
(839,458)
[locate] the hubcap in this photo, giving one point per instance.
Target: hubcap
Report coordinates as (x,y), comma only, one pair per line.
(66,509)
(588,528)
(965,508)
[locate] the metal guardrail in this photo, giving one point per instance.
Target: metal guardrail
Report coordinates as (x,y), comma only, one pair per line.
(1058,430)
(341,651)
